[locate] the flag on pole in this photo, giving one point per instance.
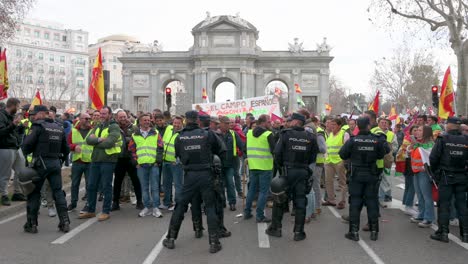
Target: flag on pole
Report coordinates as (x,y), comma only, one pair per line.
(375,104)
(274,117)
(447,97)
(393,113)
(36,100)
(96,87)
(297,88)
(328,108)
(3,75)
(205,95)
(277,91)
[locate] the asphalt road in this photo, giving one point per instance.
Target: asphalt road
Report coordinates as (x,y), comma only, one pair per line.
(126,238)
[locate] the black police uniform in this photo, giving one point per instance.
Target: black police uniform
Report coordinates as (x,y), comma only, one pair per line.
(49,146)
(295,150)
(449,161)
(195,148)
(363,151)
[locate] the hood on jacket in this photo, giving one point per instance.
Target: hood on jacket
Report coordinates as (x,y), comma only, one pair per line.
(258,131)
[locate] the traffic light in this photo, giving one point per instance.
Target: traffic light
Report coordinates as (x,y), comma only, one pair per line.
(435,96)
(168,98)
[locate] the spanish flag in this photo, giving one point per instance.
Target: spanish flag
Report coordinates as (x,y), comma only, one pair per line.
(36,100)
(3,75)
(96,87)
(393,114)
(328,108)
(447,98)
(375,104)
(205,95)
(297,88)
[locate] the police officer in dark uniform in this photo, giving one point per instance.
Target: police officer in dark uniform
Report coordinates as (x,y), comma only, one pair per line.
(363,151)
(295,150)
(449,161)
(48,144)
(195,148)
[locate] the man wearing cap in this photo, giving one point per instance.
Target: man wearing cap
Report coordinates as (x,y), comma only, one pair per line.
(296,149)
(48,144)
(363,151)
(232,141)
(449,162)
(195,148)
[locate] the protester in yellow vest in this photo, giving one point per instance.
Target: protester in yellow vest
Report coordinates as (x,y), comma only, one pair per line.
(172,169)
(81,156)
(385,188)
(334,165)
(260,148)
(147,147)
(107,142)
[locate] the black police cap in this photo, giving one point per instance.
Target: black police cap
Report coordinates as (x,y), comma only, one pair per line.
(363,122)
(191,114)
(40,108)
(297,116)
(454,120)
(205,118)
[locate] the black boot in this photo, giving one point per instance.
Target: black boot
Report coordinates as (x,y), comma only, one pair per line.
(353,233)
(273,231)
(31,225)
(374,230)
(198,228)
(64,224)
(298,236)
(115,206)
(440,235)
(215,245)
(169,241)
(223,232)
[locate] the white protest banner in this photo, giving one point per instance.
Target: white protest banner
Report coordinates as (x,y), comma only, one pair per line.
(267,104)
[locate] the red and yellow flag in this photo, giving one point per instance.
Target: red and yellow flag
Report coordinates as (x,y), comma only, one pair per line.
(375,104)
(3,75)
(297,88)
(447,98)
(277,91)
(36,100)
(328,107)
(204,94)
(96,87)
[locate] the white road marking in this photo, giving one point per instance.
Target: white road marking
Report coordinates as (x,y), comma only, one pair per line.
(75,231)
(362,243)
(435,227)
(263,240)
(155,252)
(12,218)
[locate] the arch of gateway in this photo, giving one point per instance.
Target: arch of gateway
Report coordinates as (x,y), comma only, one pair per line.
(224,50)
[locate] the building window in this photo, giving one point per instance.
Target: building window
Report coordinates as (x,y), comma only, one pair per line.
(114,97)
(18,66)
(46,35)
(18,52)
(51,70)
(62,82)
(56,36)
(40,68)
(51,81)
(62,58)
(18,78)
(29,67)
(64,38)
(114,59)
(29,79)
(79,84)
(30,54)
(79,39)
(40,80)
(37,34)
(79,72)
(62,70)
(114,67)
(51,57)
(40,56)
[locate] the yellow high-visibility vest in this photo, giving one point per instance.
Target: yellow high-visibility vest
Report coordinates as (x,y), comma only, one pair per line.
(334,143)
(376,130)
(86,150)
(258,152)
(321,156)
(146,148)
(169,149)
(118,145)
(234,143)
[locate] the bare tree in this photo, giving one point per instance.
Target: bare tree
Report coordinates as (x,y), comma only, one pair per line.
(11,14)
(337,96)
(443,16)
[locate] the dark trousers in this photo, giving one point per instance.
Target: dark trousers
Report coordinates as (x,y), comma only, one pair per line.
(195,183)
(77,170)
(296,179)
(446,192)
(53,173)
(363,192)
(123,166)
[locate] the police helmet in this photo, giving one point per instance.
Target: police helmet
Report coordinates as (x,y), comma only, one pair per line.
(278,185)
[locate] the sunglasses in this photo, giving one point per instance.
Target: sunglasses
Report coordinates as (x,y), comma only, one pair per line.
(87,118)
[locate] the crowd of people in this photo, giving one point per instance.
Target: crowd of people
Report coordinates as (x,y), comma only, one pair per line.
(156,154)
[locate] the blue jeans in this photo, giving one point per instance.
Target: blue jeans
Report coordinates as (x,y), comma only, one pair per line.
(228,176)
(260,179)
(408,195)
(385,187)
(237,175)
(77,170)
(149,179)
(423,188)
(172,172)
(100,172)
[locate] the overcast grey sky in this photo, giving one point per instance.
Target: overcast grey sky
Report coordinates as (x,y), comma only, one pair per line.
(356,42)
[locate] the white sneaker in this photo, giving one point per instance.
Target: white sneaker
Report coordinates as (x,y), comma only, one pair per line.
(409,210)
(171,208)
(163,207)
(144,212)
(157,213)
(52,212)
(454,222)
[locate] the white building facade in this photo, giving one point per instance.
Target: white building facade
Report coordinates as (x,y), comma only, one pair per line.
(47,57)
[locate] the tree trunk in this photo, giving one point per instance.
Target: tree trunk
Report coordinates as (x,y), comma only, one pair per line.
(461,98)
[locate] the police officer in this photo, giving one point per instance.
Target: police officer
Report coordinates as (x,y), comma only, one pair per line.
(449,161)
(48,144)
(363,151)
(295,150)
(195,148)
